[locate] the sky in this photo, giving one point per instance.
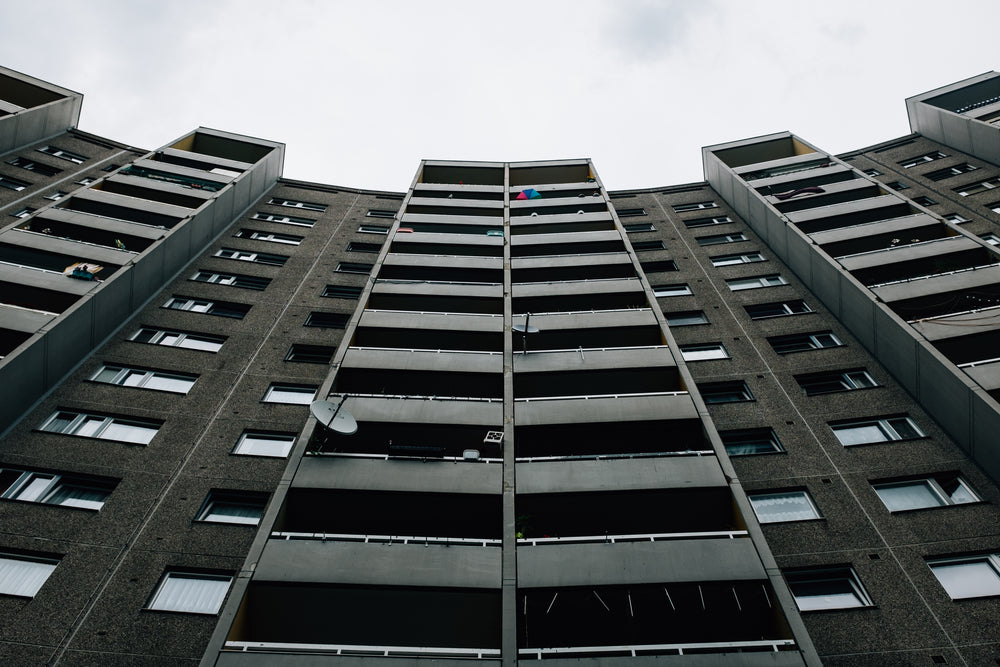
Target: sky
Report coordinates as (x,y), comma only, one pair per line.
(361,91)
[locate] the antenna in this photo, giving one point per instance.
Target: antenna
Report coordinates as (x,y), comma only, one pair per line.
(524,330)
(333,417)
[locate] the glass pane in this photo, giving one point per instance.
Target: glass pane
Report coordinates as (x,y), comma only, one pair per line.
(90,426)
(774,507)
(260,444)
(60,423)
(129,432)
(294,395)
(825,594)
(133,378)
(914,495)
(905,429)
(968,580)
(35,487)
(859,435)
(196,343)
(77,495)
(23,577)
(191,593)
(107,374)
(175,383)
(232,512)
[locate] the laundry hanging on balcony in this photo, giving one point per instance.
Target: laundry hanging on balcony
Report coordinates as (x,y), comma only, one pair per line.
(529,194)
(82,270)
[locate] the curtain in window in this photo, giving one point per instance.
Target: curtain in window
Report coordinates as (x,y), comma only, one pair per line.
(908,496)
(197,594)
(23,577)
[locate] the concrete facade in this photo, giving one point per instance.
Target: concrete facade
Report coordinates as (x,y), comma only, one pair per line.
(750,428)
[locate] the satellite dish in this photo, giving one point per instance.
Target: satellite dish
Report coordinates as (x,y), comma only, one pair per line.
(525,329)
(333,417)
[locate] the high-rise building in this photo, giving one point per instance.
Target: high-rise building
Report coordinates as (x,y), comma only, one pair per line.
(506,415)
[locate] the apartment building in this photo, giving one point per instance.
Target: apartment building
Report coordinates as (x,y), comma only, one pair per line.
(741,421)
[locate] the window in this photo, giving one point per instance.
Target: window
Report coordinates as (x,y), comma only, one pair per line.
(730,260)
(921,493)
(220,308)
(760,311)
(948,172)
(990,238)
(258,443)
(706,222)
(177,383)
(772,280)
(955,217)
(735,391)
(249,256)
(648,245)
(827,588)
(23,576)
(995,207)
(829,382)
(354,267)
(704,352)
(31,165)
(671,290)
(327,320)
(310,354)
(719,239)
(921,159)
(271,237)
(784,506)
(24,212)
(686,318)
(342,292)
(291,203)
(898,185)
(745,442)
(378,213)
(190,341)
(924,201)
(290,394)
(356,246)
(630,212)
(981,186)
(872,172)
(57,195)
(86,180)
(12,183)
(233,507)
(695,206)
(234,279)
(122,429)
(54,489)
(634,227)
(659,266)
(190,593)
(111,167)
(55,151)
(373,229)
(970,577)
(804,341)
(284,219)
(872,431)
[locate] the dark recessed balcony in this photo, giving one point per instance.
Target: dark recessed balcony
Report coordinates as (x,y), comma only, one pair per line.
(423,441)
(611,439)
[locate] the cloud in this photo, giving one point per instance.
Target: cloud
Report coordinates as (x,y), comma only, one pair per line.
(651,30)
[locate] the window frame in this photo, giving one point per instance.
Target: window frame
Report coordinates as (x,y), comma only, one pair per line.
(762,497)
(720,239)
(785,306)
(360,246)
(208,513)
(921,159)
(811,576)
(756,282)
(347,289)
(645,246)
(806,341)
(374,229)
(357,268)
(316,319)
(25,587)
(269,237)
(991,561)
(763,439)
(241,281)
(159,335)
(695,206)
(934,485)
(295,203)
(883,425)
(63,154)
(254,256)
(307,353)
(382,213)
(251,440)
(15,184)
(703,347)
(82,420)
(208,307)
(854,379)
(708,221)
(161,590)
(726,391)
(691,315)
(638,227)
(51,488)
(123,374)
(737,259)
(279,219)
(667,291)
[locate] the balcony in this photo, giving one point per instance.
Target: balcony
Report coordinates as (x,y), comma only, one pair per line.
(573,225)
(40,303)
(595,372)
(129,209)
(419,206)
(461,173)
(572,267)
(106,236)
(412,330)
(830,195)
(437,225)
(421,373)
(584,243)
(181,178)
(142,188)
(919,261)
(816,176)
(590,330)
(458,192)
(578,296)
(11,339)
(547,430)
(447,244)
(971,288)
(441,270)
(368,620)
(39,252)
(874,209)
(724,618)
(221,146)
(437,297)
(565,172)
(882,235)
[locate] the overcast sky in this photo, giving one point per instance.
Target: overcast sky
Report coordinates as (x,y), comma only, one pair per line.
(361,91)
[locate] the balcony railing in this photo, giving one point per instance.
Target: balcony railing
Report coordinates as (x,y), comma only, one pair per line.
(362,650)
(387,539)
(658,649)
(637,537)
(601,457)
(933,275)
(421,349)
(594,396)
(398,457)
(981,362)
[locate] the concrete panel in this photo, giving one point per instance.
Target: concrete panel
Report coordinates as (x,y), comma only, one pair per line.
(22,380)
(314,561)
(412,360)
(821,212)
(857,311)
(955,132)
(985,141)
(404,320)
(335,472)
(626,318)
(800,255)
(427,411)
(905,223)
(824,281)
(896,349)
(572,288)
(613,409)
(69,340)
(20,319)
(939,284)
(550,262)
(439,289)
(678,472)
(148,275)
(956,325)
(112,304)
(572,360)
(908,253)
(985,426)
(84,251)
(945,394)
(638,562)
(986,376)
(449,261)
